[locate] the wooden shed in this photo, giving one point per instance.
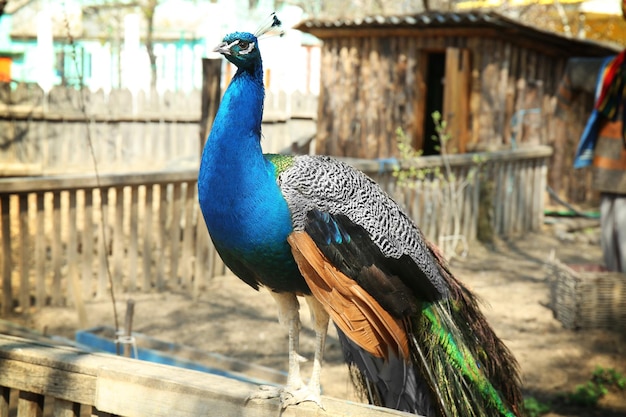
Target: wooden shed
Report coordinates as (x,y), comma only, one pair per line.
(493,79)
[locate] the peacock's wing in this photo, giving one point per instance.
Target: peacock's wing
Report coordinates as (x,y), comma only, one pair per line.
(365,258)
(388,290)
(326,196)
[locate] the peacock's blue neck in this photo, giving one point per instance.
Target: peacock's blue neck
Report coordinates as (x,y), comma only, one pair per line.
(240,199)
(240,113)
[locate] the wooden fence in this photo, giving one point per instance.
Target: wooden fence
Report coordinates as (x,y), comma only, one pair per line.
(49,134)
(57,245)
(38,379)
(485,194)
(61,235)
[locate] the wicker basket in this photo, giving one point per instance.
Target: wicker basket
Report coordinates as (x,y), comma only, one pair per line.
(588,297)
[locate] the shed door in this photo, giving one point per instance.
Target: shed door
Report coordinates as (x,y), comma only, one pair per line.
(456,98)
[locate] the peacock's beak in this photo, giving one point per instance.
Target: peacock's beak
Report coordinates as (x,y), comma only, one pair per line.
(222,48)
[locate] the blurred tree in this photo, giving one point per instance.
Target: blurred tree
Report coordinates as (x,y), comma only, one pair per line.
(111,15)
(147,8)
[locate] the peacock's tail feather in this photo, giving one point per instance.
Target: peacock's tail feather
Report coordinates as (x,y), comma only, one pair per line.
(471,372)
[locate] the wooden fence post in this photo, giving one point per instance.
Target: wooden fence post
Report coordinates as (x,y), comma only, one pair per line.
(7,267)
(211,95)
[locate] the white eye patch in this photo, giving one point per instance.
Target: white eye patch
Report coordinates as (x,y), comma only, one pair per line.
(246,47)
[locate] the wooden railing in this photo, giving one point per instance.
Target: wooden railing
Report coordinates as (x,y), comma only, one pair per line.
(490,193)
(38,379)
(62,235)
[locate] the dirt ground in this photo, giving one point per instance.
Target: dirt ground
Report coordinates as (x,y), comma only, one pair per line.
(509,276)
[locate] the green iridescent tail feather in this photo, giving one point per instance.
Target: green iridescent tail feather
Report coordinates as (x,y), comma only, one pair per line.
(471,372)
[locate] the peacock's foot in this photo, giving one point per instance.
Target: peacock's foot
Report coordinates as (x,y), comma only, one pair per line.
(293,397)
(287,395)
(266,392)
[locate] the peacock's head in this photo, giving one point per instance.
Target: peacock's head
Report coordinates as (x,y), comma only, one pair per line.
(242,48)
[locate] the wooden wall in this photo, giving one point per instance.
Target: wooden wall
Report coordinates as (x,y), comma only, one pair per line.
(373,85)
(368,90)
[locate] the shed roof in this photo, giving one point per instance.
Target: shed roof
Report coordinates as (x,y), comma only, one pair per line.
(491,23)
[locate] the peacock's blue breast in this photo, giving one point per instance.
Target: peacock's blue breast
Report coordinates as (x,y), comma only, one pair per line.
(249,222)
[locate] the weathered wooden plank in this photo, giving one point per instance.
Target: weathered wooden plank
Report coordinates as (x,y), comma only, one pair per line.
(537,193)
(497,207)
(204,256)
(118,237)
(133,241)
(5,394)
(73,260)
(175,234)
(38,373)
(519,197)
(542,183)
(131,390)
(29,404)
(530,193)
(89,181)
(56,250)
(88,244)
(504,199)
(533,207)
(508,197)
(455,101)
(470,215)
(430,228)
(148,233)
(161,233)
(518,201)
(372,166)
(501,71)
(127,387)
(24,253)
(476,201)
(103,244)
(524,199)
(189,201)
(71,255)
(511,198)
(7,286)
(64,408)
(40,251)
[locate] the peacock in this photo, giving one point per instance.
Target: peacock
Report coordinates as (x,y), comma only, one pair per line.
(314,227)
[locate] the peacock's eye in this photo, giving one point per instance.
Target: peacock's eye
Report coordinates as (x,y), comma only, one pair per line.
(244,44)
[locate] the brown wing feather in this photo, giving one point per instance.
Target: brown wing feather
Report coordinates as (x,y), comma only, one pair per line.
(352,309)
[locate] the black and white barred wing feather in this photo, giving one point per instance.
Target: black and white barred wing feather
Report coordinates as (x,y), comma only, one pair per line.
(389,292)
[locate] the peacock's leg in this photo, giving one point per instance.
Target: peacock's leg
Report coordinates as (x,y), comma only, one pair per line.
(312,391)
(296,391)
(288,315)
(320,322)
